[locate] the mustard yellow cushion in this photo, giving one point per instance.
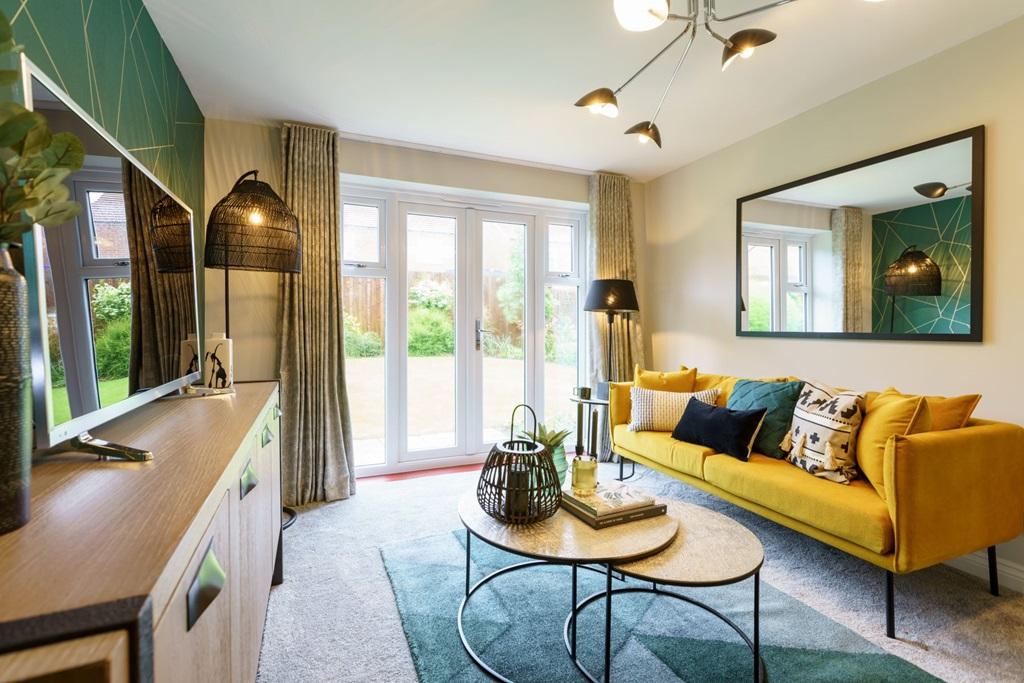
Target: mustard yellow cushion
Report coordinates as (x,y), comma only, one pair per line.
(681,381)
(853,512)
(704,381)
(660,447)
(888,413)
(947,412)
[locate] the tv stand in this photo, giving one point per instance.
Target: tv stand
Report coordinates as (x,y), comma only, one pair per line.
(87,443)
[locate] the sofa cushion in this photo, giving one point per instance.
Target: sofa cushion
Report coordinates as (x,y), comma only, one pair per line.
(728,431)
(779,398)
(823,435)
(886,414)
(660,447)
(950,412)
(855,512)
(659,411)
(664,381)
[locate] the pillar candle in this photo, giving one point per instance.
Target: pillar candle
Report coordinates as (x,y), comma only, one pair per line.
(593,433)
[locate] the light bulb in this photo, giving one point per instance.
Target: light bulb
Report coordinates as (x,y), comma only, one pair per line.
(604,109)
(912,269)
(641,15)
(747,51)
(256,218)
(643,139)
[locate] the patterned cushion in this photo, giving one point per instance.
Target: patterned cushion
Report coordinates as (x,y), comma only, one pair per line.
(779,398)
(823,434)
(659,411)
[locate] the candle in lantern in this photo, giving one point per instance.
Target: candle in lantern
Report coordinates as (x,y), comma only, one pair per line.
(593,433)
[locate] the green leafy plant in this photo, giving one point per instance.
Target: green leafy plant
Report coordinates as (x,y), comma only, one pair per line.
(111,303)
(113,349)
(552,438)
(432,295)
(430,332)
(360,343)
(34,162)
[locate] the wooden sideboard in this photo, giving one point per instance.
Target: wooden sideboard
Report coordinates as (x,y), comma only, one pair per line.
(150,571)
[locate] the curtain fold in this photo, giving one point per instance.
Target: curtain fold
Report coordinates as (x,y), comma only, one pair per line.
(849,273)
(612,255)
(317,462)
(163,304)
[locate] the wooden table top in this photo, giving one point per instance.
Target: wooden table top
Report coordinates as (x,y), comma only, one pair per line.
(105,531)
(710,549)
(564,538)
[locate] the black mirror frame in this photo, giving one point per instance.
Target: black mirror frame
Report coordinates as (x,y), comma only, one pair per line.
(977,136)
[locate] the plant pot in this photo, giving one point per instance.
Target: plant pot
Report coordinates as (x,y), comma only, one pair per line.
(561,465)
(15,397)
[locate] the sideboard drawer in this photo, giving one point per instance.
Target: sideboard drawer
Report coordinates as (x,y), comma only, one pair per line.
(102,658)
(192,642)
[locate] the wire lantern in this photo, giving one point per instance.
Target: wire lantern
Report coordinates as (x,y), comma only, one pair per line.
(519,483)
(914,273)
(170,231)
(251,228)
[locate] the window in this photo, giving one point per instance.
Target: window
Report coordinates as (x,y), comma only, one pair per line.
(562,302)
(363,233)
(776,282)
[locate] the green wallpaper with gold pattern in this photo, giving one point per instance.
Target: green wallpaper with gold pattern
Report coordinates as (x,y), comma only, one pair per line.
(109,57)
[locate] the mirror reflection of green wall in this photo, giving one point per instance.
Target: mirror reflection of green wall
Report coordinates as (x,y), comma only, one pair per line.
(942,230)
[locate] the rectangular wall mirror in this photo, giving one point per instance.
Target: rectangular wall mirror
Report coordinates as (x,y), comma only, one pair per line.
(886,248)
(113,291)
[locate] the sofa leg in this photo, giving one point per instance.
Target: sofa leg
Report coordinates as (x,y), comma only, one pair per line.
(890,610)
(993,572)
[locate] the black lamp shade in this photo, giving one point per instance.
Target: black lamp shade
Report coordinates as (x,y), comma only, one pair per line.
(170,230)
(914,273)
(253,229)
(611,296)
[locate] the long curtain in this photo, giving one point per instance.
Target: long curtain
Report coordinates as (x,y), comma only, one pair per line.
(317,462)
(163,304)
(850,279)
(612,252)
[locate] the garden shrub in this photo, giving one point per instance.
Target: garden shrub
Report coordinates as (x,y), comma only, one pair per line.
(111,303)
(360,343)
(113,349)
(431,332)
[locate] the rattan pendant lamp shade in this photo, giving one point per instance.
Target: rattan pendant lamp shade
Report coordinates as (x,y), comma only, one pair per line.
(170,230)
(253,229)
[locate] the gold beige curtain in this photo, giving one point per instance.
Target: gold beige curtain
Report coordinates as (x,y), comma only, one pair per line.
(316,459)
(163,304)
(613,256)
(850,278)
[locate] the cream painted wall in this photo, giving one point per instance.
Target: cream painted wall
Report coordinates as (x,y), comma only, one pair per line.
(690,227)
(233,147)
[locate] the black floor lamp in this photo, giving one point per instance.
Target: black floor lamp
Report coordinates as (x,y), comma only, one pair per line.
(252,228)
(611,297)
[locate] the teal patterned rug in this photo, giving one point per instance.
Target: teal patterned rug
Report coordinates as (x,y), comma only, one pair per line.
(516,621)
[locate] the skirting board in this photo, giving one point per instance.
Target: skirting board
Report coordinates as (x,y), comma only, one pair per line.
(1011,574)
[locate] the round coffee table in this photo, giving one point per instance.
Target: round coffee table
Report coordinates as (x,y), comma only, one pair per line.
(710,549)
(561,539)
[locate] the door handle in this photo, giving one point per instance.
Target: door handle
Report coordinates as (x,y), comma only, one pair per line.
(479,336)
(247,482)
(206,586)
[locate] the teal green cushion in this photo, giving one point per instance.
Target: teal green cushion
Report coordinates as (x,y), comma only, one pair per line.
(780,400)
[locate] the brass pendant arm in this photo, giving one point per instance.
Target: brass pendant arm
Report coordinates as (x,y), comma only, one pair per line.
(710,10)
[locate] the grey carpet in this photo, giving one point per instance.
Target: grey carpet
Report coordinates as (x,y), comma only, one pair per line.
(335,619)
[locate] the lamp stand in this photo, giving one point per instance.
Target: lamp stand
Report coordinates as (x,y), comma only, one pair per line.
(227,304)
(892,313)
(602,387)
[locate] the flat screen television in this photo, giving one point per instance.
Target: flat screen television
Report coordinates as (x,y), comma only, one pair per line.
(112,292)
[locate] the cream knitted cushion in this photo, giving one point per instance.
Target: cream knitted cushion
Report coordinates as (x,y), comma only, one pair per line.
(659,411)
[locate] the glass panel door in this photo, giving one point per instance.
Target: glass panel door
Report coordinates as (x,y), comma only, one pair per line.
(501,330)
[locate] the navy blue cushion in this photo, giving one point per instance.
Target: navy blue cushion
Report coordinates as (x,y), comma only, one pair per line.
(727,431)
(779,398)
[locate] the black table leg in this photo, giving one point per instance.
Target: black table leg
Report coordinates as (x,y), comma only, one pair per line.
(608,626)
(468,536)
(757,626)
(572,626)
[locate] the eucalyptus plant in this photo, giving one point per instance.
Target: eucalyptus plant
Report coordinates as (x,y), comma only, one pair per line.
(34,162)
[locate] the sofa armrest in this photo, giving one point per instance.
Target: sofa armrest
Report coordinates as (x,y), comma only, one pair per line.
(955,491)
(620,406)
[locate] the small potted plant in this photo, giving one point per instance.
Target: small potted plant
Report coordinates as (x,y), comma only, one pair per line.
(553,439)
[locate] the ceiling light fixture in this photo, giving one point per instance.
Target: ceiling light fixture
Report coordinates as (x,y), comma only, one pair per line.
(644,15)
(938,190)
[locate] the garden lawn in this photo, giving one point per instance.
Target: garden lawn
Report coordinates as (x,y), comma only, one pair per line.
(111,391)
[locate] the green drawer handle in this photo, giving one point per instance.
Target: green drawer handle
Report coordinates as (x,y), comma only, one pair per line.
(247,482)
(206,586)
(277,412)
(267,436)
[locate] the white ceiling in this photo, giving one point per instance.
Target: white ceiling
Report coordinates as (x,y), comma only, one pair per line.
(890,184)
(498,77)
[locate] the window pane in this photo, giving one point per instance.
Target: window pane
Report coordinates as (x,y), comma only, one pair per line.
(503,344)
(61,403)
(108,225)
(795,264)
(561,320)
(361,233)
(759,288)
(431,382)
(365,372)
(110,310)
(560,248)
(796,312)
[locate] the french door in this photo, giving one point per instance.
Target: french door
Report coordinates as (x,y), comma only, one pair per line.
(450,323)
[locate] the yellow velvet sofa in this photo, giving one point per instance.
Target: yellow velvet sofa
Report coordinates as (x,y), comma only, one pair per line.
(948,493)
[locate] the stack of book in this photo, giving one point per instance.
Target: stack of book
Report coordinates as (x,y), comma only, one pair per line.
(611,504)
